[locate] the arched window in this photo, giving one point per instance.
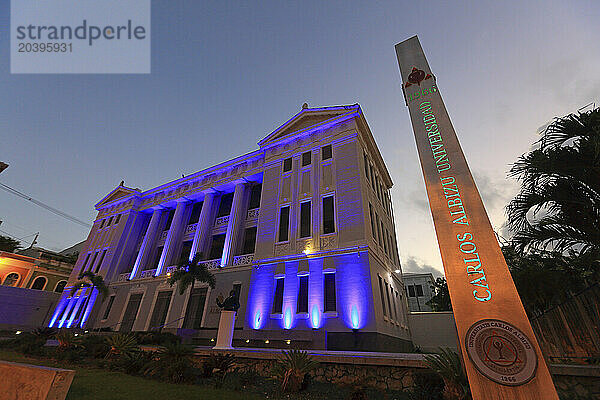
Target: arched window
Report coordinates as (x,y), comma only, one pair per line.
(11,279)
(39,283)
(60,286)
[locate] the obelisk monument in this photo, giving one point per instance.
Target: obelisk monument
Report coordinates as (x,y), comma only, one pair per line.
(502,357)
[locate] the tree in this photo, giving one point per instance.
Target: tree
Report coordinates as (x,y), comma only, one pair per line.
(557,208)
(9,244)
(190,271)
(543,280)
(441,300)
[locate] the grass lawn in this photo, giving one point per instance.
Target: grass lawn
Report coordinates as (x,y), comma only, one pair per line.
(97,384)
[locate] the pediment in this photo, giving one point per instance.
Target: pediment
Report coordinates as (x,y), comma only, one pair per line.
(118,193)
(307,118)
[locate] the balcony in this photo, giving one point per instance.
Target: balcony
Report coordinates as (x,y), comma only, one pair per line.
(245,259)
(190,229)
(221,221)
(253,214)
(212,264)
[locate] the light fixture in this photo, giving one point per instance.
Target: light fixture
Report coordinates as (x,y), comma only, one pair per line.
(288,341)
(247,340)
(85,331)
(212,339)
(77,334)
(267,341)
(397,271)
(18,332)
(168,274)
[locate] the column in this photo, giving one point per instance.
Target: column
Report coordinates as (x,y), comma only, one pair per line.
(142,257)
(172,237)
(203,225)
(234,219)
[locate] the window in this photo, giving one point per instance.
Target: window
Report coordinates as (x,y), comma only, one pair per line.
(366,166)
(109,221)
(100,262)
(225,205)
(278,298)
(255,193)
(419,290)
(186,249)
(161,307)
(326,152)
(328,216)
(383,238)
(394,300)
(287,164)
(131,312)
(111,300)
(117,219)
(382,297)
(306,158)
(305,226)
(156,260)
(389,303)
(93,261)
(249,240)
(237,288)
(411,291)
(284,223)
(60,286)
(216,248)
(87,258)
(302,304)
(39,283)
(372,177)
(169,219)
(195,215)
(195,309)
(373,231)
(329,286)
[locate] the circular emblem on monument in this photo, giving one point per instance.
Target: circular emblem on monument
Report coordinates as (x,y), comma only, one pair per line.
(501,352)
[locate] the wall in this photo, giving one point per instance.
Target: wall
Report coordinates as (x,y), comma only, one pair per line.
(432,330)
(25,308)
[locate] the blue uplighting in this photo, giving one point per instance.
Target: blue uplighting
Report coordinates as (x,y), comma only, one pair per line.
(354,317)
(315,317)
(287,319)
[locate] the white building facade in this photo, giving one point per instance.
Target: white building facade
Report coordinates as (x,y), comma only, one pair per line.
(301,228)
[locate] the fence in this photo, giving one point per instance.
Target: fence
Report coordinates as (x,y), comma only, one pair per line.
(571,329)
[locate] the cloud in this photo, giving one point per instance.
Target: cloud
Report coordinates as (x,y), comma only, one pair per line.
(411,264)
(495,193)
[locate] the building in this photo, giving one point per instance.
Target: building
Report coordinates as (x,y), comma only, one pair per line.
(418,290)
(32,283)
(301,228)
(35,268)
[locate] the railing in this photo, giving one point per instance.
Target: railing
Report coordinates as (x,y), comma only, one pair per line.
(149,273)
(221,221)
(190,229)
(123,277)
(253,214)
(212,264)
(245,259)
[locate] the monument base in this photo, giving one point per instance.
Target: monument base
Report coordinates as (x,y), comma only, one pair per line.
(225,332)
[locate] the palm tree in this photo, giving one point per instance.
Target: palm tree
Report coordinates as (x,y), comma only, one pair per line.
(190,271)
(93,281)
(558,206)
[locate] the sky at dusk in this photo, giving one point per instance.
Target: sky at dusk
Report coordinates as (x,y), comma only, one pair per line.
(225,75)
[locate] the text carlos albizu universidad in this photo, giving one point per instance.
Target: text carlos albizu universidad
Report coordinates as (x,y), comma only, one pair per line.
(81,32)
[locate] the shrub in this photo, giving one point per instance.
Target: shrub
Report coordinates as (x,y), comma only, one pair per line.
(293,368)
(447,363)
(95,346)
(133,364)
(26,343)
(217,366)
(67,339)
(45,333)
(157,338)
(172,363)
(427,386)
(122,345)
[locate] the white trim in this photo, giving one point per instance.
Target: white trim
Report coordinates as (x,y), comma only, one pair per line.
(38,277)
(57,283)
(16,282)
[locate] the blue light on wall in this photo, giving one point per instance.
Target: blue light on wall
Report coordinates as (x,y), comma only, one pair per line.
(59,308)
(354,317)
(256,320)
(287,319)
(315,317)
(87,310)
